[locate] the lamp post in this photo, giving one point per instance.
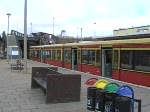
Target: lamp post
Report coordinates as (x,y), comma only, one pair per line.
(8,14)
(81,35)
(94,30)
(25,37)
(17,25)
(53,26)
(77,35)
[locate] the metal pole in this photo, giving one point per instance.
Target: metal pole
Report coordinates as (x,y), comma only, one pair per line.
(81,35)
(8,14)
(17,25)
(94,30)
(25,37)
(77,35)
(53,26)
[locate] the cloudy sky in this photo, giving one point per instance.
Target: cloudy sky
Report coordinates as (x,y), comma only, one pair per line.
(70,14)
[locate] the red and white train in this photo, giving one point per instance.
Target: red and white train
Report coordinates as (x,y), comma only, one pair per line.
(125,60)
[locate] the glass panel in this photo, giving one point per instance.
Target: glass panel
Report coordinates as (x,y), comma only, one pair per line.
(50,54)
(91,57)
(115,64)
(67,55)
(58,54)
(31,52)
(85,56)
(53,54)
(126,59)
(98,58)
(142,60)
(79,56)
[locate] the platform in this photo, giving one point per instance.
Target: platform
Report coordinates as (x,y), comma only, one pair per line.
(16,94)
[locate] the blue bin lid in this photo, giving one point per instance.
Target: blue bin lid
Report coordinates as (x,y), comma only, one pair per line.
(125,90)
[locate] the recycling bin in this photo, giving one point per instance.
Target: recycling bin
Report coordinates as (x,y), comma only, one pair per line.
(110,102)
(91,93)
(124,92)
(123,104)
(100,100)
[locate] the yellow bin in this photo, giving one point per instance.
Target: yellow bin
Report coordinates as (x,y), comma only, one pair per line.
(101,84)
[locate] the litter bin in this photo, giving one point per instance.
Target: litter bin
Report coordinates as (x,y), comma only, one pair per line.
(100,100)
(124,92)
(123,104)
(110,102)
(91,93)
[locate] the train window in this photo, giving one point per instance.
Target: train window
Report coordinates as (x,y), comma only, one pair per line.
(91,56)
(142,60)
(43,53)
(35,53)
(79,56)
(50,54)
(58,54)
(115,56)
(98,58)
(31,52)
(85,56)
(47,55)
(38,53)
(126,59)
(67,55)
(53,54)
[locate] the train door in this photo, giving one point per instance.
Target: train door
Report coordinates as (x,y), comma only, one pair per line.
(74,58)
(107,62)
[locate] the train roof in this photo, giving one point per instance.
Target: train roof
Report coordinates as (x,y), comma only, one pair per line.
(109,42)
(43,46)
(112,42)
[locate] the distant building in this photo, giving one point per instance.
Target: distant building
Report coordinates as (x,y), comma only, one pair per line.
(133,30)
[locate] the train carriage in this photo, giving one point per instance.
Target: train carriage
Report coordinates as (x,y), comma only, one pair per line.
(35,53)
(53,54)
(131,60)
(126,60)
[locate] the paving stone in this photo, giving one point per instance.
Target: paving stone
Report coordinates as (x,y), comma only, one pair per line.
(23,111)
(32,106)
(10,108)
(1,109)
(58,109)
(18,103)
(4,104)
